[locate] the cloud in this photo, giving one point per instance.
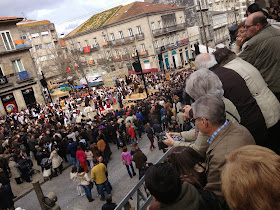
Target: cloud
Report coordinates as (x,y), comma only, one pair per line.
(65,14)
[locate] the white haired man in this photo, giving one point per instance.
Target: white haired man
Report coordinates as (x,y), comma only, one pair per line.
(262,50)
(224,137)
(236,90)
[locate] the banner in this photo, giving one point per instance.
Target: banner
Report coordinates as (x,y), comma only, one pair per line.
(9,103)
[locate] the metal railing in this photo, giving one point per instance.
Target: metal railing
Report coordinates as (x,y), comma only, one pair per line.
(125,40)
(166,30)
(141,201)
(140,36)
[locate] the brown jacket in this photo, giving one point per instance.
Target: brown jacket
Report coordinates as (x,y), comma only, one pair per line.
(140,159)
(232,137)
(101,145)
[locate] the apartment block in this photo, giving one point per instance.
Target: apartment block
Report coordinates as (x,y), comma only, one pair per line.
(108,41)
(19,83)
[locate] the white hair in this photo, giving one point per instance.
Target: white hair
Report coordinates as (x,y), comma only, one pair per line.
(204,82)
(205,61)
(211,108)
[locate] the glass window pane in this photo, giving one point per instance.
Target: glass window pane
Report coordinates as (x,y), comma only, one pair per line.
(10,40)
(20,65)
(15,66)
(5,41)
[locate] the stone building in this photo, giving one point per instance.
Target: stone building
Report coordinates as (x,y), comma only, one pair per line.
(45,49)
(19,83)
(107,42)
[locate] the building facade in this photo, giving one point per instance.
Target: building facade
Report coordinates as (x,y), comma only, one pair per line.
(46,47)
(158,32)
(19,83)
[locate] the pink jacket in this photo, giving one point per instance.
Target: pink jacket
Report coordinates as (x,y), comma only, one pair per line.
(81,156)
(126,156)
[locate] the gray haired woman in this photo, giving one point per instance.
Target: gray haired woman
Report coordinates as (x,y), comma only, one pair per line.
(200,83)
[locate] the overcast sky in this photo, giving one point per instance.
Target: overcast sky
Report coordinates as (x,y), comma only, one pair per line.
(65,14)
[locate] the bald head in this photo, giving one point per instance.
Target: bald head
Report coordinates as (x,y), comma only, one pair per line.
(254,23)
(205,60)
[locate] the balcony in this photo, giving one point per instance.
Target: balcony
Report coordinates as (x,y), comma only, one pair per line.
(91,62)
(19,45)
(4,82)
(23,76)
(125,40)
(167,30)
(106,44)
(172,46)
(94,48)
(117,58)
(144,53)
(125,57)
(101,61)
(139,37)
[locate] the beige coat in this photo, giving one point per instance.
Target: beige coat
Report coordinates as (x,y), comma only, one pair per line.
(268,103)
(232,137)
(200,143)
(14,167)
(83,178)
(56,159)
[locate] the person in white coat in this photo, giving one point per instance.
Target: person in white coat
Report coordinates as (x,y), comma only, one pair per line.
(266,100)
(56,161)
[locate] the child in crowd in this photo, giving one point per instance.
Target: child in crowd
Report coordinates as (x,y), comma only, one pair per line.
(73,176)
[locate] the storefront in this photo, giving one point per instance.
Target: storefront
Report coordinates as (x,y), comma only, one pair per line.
(9,103)
(28,95)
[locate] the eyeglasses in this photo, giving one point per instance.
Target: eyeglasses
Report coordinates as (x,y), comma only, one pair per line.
(248,26)
(194,119)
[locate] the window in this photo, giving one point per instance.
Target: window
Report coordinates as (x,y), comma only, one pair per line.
(156,44)
(209,1)
(184,35)
(72,46)
(23,37)
(143,48)
(43,58)
(134,49)
(99,56)
(86,43)
(218,7)
(95,42)
(178,37)
(48,45)
(210,8)
(121,34)
(36,35)
(18,67)
(112,37)
(168,39)
(139,31)
(79,45)
(125,50)
(38,46)
(117,52)
(7,39)
(44,33)
(52,56)
(153,26)
(159,24)
(130,32)
(181,20)
(104,38)
(108,54)
(162,42)
(1,72)
(174,39)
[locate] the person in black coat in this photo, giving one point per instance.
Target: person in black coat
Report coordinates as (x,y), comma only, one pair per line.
(6,198)
(109,205)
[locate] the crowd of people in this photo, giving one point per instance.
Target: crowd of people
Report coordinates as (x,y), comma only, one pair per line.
(227,112)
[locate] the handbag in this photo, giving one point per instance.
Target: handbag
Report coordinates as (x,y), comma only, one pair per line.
(91,185)
(124,162)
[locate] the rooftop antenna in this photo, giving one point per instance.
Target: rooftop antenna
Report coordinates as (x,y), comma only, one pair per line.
(25,18)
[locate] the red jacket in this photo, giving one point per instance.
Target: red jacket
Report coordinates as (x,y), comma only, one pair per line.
(131,132)
(81,155)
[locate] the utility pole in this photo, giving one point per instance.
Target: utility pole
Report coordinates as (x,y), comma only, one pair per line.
(203,26)
(143,78)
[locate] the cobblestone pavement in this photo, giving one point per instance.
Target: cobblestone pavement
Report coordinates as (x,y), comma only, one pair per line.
(66,191)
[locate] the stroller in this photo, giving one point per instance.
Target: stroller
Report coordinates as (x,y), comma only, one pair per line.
(46,165)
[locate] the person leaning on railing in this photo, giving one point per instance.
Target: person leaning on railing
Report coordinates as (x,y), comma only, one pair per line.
(200,83)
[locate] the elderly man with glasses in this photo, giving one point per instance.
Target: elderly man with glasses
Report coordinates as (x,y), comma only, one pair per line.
(262,50)
(224,136)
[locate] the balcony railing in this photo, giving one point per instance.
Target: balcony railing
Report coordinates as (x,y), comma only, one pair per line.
(172,46)
(4,81)
(101,61)
(143,53)
(106,44)
(140,36)
(142,200)
(125,57)
(94,48)
(166,30)
(125,40)
(18,45)
(117,58)
(23,76)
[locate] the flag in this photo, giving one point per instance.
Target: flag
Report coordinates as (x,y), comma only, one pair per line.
(68,70)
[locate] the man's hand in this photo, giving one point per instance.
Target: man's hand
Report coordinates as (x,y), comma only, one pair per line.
(169,141)
(187,109)
(239,41)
